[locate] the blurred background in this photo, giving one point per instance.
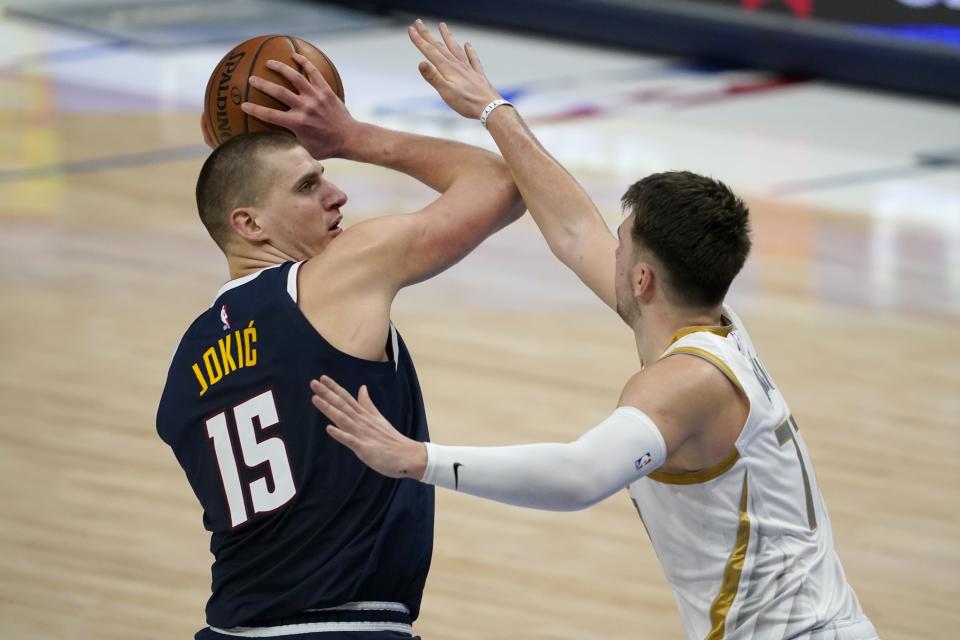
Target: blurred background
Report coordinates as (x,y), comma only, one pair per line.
(837,121)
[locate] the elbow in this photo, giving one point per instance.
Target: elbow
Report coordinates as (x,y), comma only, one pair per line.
(582,491)
(585,498)
(565,246)
(576,501)
(511,210)
(503,181)
(517,206)
(578,504)
(513,204)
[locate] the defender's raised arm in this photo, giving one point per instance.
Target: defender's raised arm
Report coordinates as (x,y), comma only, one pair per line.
(566,215)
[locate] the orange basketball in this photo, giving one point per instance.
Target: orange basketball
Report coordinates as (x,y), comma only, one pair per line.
(228,86)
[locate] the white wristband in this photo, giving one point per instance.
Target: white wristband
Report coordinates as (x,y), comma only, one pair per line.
(489,109)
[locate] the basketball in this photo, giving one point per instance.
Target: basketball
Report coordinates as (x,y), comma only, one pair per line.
(227,87)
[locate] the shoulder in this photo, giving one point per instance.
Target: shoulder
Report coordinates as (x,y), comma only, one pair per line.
(680,393)
(346,292)
(362,254)
(674,382)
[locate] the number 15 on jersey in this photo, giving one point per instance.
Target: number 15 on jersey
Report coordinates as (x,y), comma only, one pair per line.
(260,410)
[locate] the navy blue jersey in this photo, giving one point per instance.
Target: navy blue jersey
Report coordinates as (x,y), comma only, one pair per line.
(297,522)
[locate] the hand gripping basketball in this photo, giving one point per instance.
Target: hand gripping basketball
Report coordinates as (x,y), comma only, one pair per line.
(318,118)
(454,71)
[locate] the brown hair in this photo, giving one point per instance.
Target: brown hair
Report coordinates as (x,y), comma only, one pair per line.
(696,227)
(233,176)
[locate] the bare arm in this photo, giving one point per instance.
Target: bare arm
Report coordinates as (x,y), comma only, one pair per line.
(478,197)
(567,217)
(435,162)
(478,194)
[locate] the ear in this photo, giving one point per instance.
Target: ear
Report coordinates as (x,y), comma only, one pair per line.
(244,222)
(642,279)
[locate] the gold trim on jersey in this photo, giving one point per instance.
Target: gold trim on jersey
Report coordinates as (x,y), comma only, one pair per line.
(732,572)
(709,357)
(696,477)
(720,330)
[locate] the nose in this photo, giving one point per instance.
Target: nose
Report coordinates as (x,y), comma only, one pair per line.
(334,198)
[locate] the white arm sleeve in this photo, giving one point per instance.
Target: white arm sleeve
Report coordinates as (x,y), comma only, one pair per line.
(559,477)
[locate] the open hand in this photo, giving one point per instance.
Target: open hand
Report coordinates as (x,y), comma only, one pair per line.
(361,427)
(454,71)
(316,115)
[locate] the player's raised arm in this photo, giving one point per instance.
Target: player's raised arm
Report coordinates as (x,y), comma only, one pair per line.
(566,215)
(478,193)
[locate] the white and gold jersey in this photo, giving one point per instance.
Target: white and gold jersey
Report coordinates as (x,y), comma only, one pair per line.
(746,545)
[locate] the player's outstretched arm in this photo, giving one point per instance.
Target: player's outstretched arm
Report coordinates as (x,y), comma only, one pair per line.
(554,476)
(478,193)
(566,215)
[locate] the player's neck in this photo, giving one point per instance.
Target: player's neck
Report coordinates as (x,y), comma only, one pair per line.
(657,327)
(244,261)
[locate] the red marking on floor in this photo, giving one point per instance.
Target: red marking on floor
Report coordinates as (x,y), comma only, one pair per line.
(801,8)
(736,90)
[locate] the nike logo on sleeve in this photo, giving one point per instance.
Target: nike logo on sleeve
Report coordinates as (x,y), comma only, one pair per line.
(456,475)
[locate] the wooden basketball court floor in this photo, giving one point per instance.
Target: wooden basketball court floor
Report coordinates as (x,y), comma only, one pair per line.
(852,295)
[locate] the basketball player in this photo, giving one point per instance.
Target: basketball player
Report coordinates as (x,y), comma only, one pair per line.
(702,438)
(307,541)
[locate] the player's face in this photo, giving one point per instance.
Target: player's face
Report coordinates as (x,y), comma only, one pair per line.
(627,305)
(303,211)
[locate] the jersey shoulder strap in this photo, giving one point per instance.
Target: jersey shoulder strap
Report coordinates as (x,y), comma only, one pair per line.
(707,343)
